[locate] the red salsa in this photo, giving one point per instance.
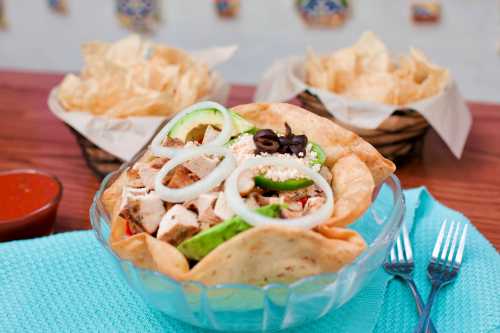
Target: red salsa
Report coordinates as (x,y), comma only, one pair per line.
(23,193)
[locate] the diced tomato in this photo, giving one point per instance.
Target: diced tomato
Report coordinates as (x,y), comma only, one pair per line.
(303,201)
(128,232)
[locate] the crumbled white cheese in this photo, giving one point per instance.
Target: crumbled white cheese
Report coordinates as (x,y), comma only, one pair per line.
(244,148)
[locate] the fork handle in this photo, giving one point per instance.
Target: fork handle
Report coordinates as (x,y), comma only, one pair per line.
(418,301)
(423,322)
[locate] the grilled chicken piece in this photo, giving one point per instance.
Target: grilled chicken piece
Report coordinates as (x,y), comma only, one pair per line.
(204,205)
(131,192)
(210,134)
(180,177)
(147,171)
(262,200)
(251,202)
(158,162)
(245,182)
(133,225)
(313,204)
(177,224)
(133,178)
(143,209)
(146,174)
(221,208)
(314,191)
(176,143)
(293,204)
(288,213)
(201,165)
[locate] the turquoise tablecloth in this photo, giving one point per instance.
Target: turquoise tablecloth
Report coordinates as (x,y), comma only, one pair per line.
(68,282)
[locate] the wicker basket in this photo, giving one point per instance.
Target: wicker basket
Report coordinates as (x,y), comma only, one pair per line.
(99,161)
(398,137)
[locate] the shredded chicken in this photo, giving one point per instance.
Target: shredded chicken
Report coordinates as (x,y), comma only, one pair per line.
(177,224)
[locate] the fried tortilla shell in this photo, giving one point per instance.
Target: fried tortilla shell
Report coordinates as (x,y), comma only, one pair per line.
(148,252)
(353,187)
(275,254)
(335,140)
(270,253)
(257,256)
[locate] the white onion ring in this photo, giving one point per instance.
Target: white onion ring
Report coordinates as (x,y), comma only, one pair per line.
(204,185)
(236,203)
(156,145)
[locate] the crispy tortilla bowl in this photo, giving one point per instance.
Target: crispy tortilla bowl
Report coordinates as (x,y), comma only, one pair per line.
(367,72)
(267,277)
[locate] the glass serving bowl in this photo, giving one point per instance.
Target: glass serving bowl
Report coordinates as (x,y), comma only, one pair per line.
(240,307)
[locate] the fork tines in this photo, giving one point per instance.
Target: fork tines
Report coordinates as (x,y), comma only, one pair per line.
(448,254)
(402,248)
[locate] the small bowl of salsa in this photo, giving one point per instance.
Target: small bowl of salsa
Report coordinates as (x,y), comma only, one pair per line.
(29,200)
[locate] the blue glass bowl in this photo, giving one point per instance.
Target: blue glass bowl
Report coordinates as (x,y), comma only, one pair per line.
(240,307)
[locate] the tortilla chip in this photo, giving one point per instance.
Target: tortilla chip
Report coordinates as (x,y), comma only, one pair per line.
(366,71)
(134,77)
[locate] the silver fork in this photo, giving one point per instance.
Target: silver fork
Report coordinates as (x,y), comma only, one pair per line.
(443,267)
(400,264)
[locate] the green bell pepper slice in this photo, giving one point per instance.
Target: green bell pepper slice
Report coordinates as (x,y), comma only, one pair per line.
(286,185)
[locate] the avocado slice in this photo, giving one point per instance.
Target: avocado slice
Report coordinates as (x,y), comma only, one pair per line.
(203,243)
(203,118)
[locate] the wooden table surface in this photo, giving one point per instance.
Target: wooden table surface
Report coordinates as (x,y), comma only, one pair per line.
(30,136)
